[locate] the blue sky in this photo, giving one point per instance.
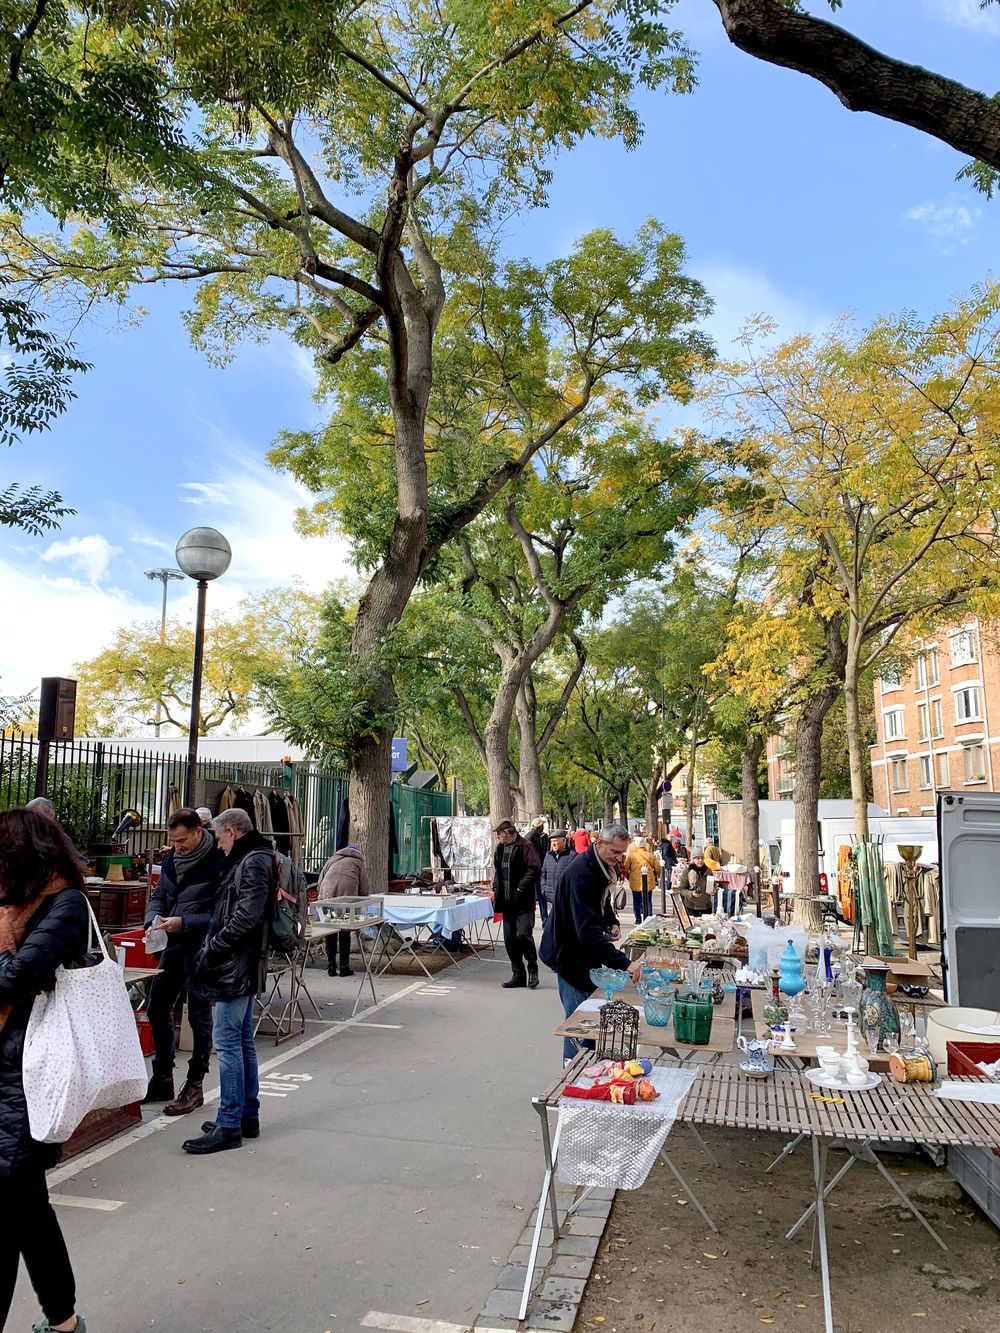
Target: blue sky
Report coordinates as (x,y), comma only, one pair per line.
(789,205)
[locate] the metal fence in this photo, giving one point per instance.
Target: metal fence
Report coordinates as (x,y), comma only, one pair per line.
(92,783)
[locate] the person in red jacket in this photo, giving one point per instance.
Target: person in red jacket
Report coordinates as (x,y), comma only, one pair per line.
(581,841)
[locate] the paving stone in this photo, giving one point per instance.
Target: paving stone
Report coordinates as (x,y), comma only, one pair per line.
(528,1235)
(551,1315)
(495,1325)
(512,1278)
(586,1226)
(564,1290)
(601,1196)
(506,1304)
(570,1265)
(520,1254)
(589,1209)
(585,1246)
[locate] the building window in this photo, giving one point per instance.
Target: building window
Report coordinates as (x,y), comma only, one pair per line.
(967,704)
(944,771)
(923,730)
(899,779)
(892,720)
(921,672)
(783,746)
(933,667)
(937,718)
(926,809)
(925,771)
(785,784)
(891,679)
(963,647)
(975,763)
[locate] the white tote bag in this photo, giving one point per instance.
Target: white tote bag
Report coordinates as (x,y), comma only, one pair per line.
(81,1048)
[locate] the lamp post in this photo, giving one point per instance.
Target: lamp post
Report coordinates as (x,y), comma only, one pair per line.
(164,576)
(203,554)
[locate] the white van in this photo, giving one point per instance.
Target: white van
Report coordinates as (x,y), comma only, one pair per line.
(838,832)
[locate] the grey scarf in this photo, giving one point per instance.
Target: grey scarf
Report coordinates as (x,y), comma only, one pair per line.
(186,863)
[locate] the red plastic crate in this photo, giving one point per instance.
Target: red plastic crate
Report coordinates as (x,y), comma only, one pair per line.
(963,1057)
(133,942)
(145,1033)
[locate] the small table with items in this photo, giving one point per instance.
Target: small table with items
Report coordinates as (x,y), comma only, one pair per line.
(439,915)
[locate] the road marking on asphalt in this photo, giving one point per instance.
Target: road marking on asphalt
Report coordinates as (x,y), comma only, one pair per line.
(101,1205)
(86,1161)
(407,1323)
(388,1027)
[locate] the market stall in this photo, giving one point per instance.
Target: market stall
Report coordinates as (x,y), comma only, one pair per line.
(434,916)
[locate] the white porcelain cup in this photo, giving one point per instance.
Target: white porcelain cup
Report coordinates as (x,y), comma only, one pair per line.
(827,1053)
(857,1077)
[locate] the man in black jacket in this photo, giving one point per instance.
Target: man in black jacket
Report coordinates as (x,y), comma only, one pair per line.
(575,938)
(229,971)
(516,876)
(183,898)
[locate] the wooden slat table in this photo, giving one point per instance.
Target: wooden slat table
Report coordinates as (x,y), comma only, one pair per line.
(891,1113)
(721,1041)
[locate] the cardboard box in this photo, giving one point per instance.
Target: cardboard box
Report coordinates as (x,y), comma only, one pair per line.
(903,971)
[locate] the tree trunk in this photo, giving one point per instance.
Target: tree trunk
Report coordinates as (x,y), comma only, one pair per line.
(653,800)
(751,799)
(808,745)
(529,764)
(623,795)
(609,806)
(369,800)
(496,740)
(855,747)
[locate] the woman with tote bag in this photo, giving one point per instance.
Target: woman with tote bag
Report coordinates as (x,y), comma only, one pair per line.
(44,924)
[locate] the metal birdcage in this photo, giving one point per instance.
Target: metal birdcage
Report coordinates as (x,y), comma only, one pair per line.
(618,1038)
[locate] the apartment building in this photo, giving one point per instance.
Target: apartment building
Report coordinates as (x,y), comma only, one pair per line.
(780,766)
(939,723)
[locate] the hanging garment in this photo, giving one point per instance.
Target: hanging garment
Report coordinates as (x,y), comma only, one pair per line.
(929,897)
(226,801)
(279,821)
(244,802)
(173,800)
(262,813)
(295,831)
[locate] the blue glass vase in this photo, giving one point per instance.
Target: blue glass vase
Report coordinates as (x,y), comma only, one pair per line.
(790,974)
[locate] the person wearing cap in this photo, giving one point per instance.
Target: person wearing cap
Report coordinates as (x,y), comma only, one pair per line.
(557,858)
(697,899)
(538,838)
(516,875)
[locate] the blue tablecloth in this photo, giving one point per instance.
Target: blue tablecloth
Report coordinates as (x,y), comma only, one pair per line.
(403,911)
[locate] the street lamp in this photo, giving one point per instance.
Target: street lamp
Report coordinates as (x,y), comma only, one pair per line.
(164,576)
(203,554)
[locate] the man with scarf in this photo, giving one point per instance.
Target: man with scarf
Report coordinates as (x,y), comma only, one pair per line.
(183,898)
(230,971)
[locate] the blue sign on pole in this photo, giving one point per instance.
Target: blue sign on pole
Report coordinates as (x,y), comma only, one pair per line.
(399,760)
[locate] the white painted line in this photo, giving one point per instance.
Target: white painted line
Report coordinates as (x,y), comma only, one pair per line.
(86,1161)
(406,1323)
(272,1094)
(101,1205)
(387,1027)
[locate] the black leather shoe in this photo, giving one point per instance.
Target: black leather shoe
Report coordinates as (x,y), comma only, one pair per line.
(217,1139)
(532,981)
(250,1129)
(347,971)
(331,971)
(515,983)
(161,1089)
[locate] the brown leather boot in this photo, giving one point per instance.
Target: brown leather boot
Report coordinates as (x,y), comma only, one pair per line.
(188,1099)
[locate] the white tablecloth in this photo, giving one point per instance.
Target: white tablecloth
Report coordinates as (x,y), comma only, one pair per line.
(400,912)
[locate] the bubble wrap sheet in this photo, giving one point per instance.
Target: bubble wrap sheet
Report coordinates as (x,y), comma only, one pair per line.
(614,1147)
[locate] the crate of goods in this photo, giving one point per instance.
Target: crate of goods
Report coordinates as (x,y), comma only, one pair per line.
(348,911)
(145,1033)
(977,1170)
(133,942)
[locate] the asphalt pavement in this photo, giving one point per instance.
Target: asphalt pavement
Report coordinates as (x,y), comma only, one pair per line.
(397,1165)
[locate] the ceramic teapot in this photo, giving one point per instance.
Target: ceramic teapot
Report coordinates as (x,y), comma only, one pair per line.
(757,1051)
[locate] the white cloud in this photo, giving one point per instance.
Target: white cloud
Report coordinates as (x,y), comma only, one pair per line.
(154,543)
(204,493)
(740,293)
(952,222)
(91,555)
(968,14)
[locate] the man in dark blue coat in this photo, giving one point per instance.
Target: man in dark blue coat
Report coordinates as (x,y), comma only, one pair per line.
(183,900)
(230,970)
(575,938)
(516,875)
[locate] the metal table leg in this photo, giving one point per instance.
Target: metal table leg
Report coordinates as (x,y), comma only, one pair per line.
(688,1190)
(366,960)
(819,1150)
(693,1129)
(550,1148)
(789,1148)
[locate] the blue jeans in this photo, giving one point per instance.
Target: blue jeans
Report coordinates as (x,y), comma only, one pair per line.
(232,1033)
(571,1001)
(543,904)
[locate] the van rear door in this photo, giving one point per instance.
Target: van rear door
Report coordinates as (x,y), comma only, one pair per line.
(969,857)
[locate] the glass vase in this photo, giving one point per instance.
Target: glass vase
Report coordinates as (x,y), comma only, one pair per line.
(878,1014)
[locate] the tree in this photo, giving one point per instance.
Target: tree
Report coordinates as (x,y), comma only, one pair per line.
(874,458)
(333,161)
(120,688)
(868,80)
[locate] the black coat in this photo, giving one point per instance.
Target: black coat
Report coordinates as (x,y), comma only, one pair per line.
(574,939)
(229,965)
(525,876)
(553,869)
(191,898)
(57,935)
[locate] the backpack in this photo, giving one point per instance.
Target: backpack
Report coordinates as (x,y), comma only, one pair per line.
(286,929)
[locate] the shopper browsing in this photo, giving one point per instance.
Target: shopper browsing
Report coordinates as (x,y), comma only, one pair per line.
(44,924)
(230,971)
